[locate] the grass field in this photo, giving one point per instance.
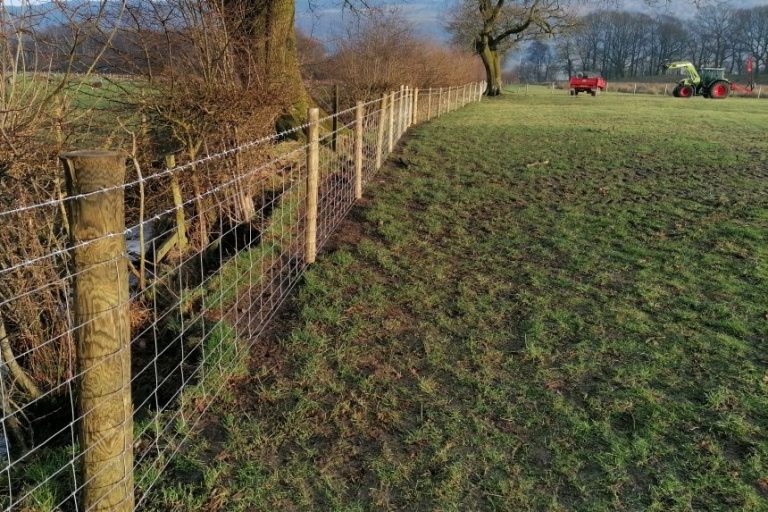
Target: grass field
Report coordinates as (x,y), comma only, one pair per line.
(546,303)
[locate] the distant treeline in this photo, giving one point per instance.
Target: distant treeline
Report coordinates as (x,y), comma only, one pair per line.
(623,44)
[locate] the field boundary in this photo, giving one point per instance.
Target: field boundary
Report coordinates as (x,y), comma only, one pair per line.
(161,311)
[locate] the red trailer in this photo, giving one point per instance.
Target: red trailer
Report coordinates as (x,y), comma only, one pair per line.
(587,81)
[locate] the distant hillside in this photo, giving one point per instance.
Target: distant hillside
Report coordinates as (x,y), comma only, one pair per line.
(49,14)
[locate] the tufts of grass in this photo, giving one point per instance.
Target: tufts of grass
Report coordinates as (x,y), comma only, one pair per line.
(557,304)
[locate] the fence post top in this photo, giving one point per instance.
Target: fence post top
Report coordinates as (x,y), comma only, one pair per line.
(93,170)
(88,154)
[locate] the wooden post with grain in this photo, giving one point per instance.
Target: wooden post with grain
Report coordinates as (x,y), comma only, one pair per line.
(359,114)
(96,213)
(380,132)
(313,184)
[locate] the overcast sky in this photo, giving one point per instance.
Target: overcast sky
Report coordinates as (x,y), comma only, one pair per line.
(325,19)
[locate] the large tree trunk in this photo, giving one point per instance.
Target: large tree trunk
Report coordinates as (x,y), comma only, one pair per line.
(267,26)
(492,62)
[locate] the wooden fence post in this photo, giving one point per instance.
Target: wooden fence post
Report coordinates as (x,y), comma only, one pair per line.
(335,133)
(759,92)
(392,121)
(380,132)
(401,107)
(665,89)
(407,109)
(359,115)
(313,183)
(415,106)
(440,103)
(95,181)
(429,104)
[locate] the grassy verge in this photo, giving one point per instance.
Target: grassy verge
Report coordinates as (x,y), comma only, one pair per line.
(552,303)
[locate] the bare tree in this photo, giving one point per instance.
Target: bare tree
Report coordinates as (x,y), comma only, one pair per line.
(714,25)
(752,30)
(494,27)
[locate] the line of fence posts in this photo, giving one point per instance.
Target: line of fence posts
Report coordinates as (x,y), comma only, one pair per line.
(96,214)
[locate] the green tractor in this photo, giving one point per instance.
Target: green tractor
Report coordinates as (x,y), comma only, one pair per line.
(711,83)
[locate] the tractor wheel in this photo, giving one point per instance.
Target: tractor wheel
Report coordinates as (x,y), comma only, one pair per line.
(592,92)
(719,90)
(686,91)
(572,92)
(676,91)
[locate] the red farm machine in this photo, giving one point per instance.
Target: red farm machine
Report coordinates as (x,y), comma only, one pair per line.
(588,82)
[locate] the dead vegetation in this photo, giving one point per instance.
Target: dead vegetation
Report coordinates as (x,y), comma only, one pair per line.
(152,79)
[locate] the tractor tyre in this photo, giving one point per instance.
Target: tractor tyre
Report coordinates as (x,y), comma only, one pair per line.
(572,92)
(592,92)
(686,91)
(676,91)
(719,90)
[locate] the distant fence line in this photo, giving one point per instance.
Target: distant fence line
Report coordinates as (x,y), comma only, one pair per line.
(162,312)
(632,88)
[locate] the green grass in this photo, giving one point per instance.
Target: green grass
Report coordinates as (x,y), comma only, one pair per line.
(556,303)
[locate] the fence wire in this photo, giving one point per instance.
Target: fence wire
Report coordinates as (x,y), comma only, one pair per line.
(211,250)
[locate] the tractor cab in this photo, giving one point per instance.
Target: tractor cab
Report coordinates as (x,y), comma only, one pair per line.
(709,75)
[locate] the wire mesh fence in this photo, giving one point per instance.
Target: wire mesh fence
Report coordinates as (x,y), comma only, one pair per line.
(159,286)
